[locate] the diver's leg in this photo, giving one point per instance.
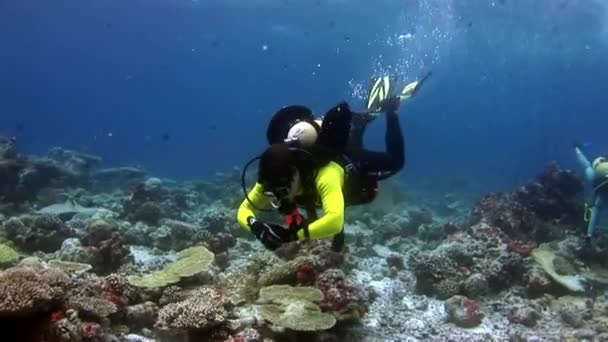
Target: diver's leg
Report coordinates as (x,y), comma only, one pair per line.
(357,129)
(597,203)
(337,244)
(383,164)
(395,144)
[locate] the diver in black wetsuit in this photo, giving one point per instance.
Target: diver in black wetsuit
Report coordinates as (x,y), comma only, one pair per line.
(341,132)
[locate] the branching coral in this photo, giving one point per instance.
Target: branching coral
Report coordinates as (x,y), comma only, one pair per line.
(202,310)
(95,307)
(24,291)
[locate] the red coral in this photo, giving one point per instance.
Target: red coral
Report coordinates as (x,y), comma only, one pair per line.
(57,315)
(522,248)
(112,295)
(305,273)
(90,330)
(472,309)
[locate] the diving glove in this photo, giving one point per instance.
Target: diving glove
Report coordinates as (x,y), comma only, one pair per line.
(272,236)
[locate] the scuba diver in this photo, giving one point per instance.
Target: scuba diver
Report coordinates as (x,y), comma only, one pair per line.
(596,174)
(321,162)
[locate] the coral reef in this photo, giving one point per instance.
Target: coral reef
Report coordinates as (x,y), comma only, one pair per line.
(463,311)
(539,211)
(90,255)
(23,177)
(43,233)
(104,247)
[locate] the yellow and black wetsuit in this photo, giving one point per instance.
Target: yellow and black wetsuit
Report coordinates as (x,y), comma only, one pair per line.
(329,182)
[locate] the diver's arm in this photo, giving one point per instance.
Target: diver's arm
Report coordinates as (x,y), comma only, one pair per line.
(246,209)
(584,162)
(329,186)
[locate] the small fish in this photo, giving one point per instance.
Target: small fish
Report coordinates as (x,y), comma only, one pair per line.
(165,137)
(331,25)
(212,127)
(216,43)
(20,127)
(108,26)
(346,38)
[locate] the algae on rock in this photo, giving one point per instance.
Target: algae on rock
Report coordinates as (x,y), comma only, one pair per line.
(294,308)
(189,262)
(280,293)
(69,267)
(283,272)
(240,285)
(8,256)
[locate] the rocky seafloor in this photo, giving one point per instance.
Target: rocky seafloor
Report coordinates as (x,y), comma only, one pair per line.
(93,254)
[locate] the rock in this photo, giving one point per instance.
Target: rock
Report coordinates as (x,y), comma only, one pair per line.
(585,335)
(463,312)
(476,285)
(396,261)
(153,183)
(572,317)
(537,282)
(573,310)
(525,316)
(70,249)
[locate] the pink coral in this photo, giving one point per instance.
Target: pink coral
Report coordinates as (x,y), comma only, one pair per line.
(91,331)
(522,248)
(337,290)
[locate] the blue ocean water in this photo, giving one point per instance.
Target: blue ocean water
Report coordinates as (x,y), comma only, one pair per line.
(514,83)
